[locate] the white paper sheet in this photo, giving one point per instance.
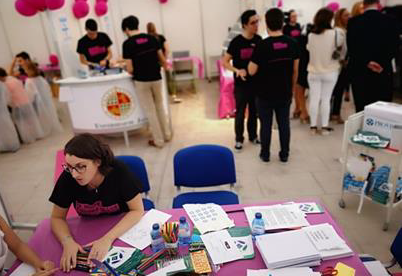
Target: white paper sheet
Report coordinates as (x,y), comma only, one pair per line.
(174,266)
(376,268)
(324,236)
(139,235)
(208,217)
(23,270)
(221,247)
(302,271)
(310,208)
(278,216)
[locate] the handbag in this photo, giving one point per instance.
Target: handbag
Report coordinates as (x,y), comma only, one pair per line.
(336,54)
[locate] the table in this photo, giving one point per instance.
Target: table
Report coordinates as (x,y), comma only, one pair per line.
(85,230)
(227,103)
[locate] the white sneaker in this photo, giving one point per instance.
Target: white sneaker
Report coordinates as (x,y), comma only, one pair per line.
(239,146)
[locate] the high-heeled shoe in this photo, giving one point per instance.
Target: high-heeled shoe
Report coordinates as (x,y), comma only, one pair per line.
(296,114)
(305,120)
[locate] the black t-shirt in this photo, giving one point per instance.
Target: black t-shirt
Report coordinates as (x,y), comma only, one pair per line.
(294,31)
(111,197)
(142,49)
(241,50)
(274,57)
(94,50)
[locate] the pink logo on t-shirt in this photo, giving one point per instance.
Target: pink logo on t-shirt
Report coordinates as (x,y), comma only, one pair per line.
(95,209)
(295,33)
(280,46)
(141,40)
(246,53)
(96,50)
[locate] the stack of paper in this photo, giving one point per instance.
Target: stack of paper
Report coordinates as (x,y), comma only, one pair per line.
(208,217)
(328,242)
(292,248)
(280,216)
(222,247)
(301,271)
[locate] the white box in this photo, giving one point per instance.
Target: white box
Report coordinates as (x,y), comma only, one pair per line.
(380,117)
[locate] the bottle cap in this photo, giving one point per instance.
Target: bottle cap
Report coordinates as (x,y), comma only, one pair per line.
(155,226)
(258,215)
(182,219)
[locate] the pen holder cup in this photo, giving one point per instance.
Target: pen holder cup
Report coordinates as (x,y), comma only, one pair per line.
(173,248)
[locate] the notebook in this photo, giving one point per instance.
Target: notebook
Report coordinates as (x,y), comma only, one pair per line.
(287,249)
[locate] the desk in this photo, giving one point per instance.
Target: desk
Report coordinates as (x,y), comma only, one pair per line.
(227,103)
(85,230)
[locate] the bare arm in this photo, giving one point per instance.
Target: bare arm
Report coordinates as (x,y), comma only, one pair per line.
(252,68)
(129,66)
(101,246)
(83,60)
(295,73)
(11,69)
(242,73)
(167,50)
(19,248)
(109,53)
(162,59)
(60,229)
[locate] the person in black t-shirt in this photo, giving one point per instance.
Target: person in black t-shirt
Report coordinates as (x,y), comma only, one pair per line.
(144,57)
(94,47)
(294,30)
(151,30)
(239,52)
(276,61)
(96,184)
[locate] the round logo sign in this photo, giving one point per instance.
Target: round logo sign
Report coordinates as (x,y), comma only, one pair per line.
(118,103)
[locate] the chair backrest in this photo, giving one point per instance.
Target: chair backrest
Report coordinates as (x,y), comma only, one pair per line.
(183,66)
(204,166)
(180,54)
(137,166)
(396,247)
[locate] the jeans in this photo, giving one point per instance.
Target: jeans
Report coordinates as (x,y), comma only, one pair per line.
(321,87)
(265,112)
(244,97)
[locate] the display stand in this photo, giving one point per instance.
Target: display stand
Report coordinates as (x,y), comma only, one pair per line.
(352,125)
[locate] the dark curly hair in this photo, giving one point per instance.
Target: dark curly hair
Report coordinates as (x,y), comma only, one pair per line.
(87,146)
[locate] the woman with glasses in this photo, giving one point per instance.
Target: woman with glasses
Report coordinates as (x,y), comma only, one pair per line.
(96,184)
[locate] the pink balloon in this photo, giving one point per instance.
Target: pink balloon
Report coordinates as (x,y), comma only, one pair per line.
(24,8)
(280,4)
(54,4)
(80,9)
(54,60)
(101,8)
(38,4)
(163,1)
(333,6)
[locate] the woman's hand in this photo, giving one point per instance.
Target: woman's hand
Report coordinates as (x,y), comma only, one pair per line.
(99,248)
(47,268)
(68,259)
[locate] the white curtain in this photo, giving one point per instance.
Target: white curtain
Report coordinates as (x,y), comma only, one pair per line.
(39,89)
(8,137)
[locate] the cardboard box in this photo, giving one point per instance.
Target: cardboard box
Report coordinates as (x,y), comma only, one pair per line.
(381,117)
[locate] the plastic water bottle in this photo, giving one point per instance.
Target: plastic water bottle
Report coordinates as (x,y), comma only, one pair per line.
(157,242)
(258,225)
(184,232)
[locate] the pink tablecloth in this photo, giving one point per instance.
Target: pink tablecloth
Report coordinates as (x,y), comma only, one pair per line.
(227,103)
(196,61)
(58,169)
(85,230)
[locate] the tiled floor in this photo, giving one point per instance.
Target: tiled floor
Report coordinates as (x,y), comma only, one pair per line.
(313,171)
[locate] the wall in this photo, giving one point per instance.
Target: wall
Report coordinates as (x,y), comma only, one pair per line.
(196,25)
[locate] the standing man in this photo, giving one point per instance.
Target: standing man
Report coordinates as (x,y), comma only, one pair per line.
(276,59)
(94,47)
(372,41)
(143,56)
(240,50)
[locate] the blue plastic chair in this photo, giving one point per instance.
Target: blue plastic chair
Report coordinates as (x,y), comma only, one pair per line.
(137,167)
(204,166)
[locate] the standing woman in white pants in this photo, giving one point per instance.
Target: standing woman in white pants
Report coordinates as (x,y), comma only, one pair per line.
(323,69)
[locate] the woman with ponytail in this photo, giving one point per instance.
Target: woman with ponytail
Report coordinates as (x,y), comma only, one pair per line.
(96,184)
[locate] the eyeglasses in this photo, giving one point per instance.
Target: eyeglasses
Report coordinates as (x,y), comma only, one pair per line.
(78,168)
